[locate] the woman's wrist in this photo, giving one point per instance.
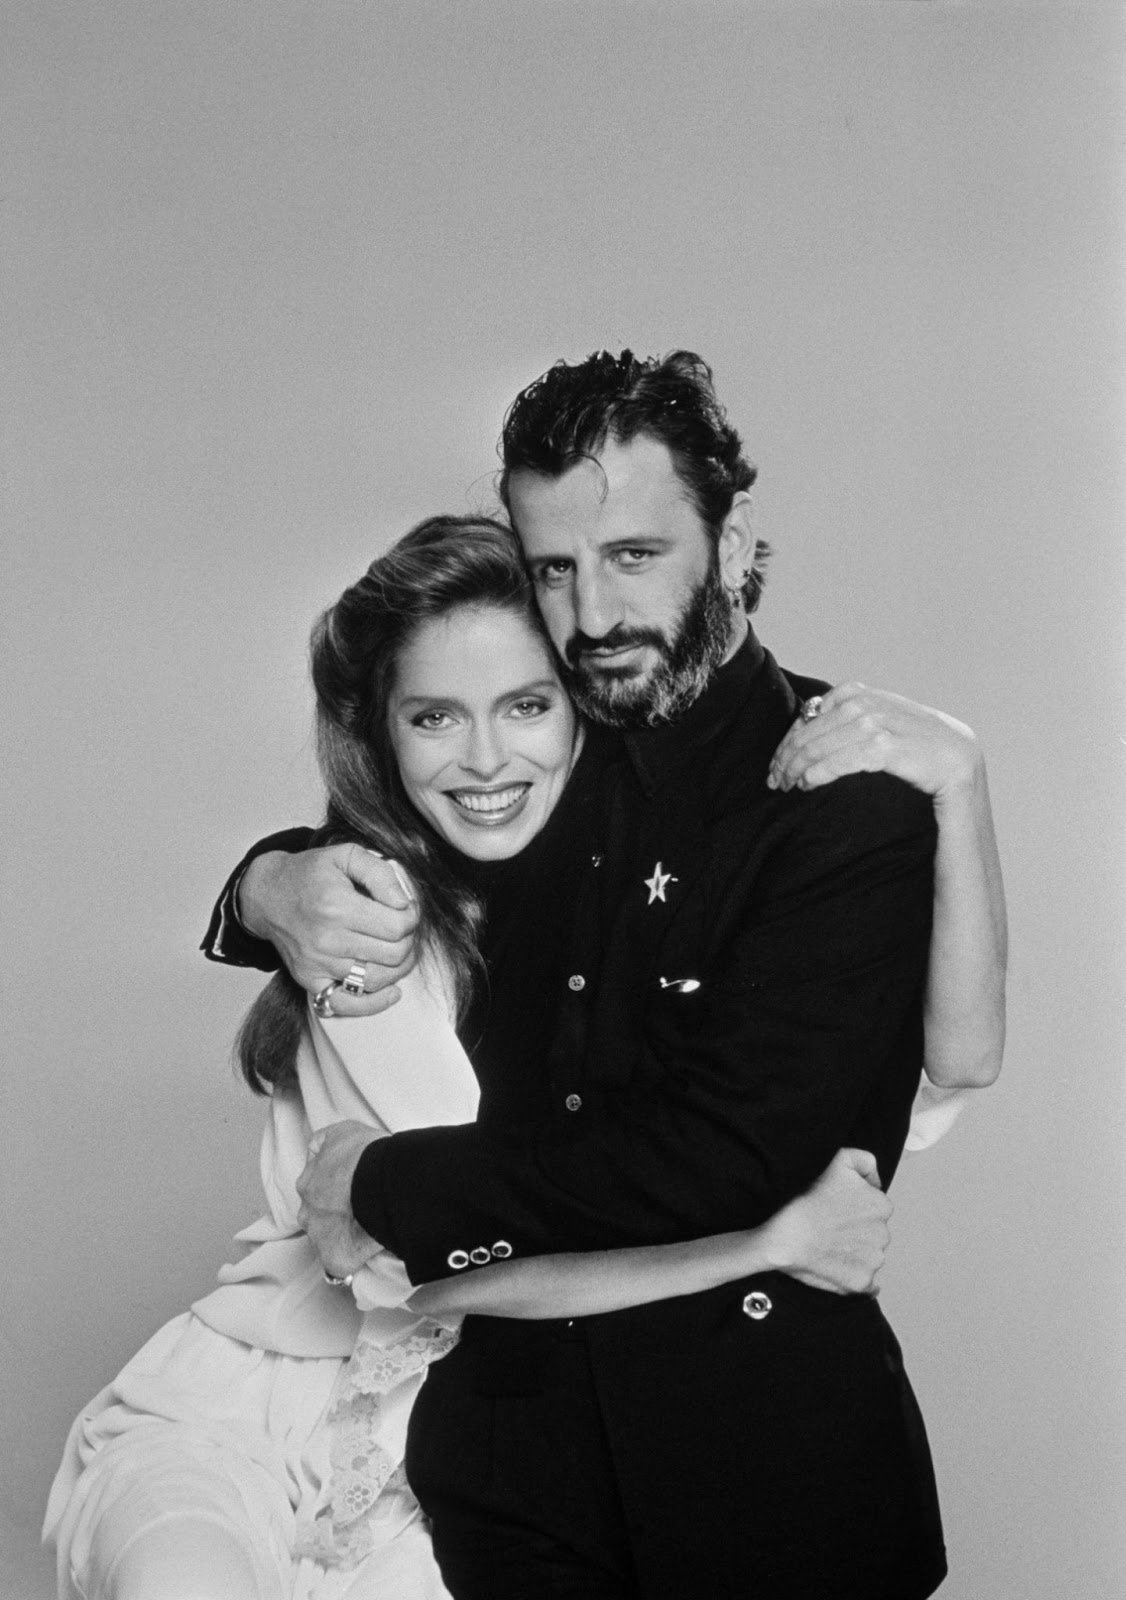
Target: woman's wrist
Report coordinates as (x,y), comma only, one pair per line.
(964,792)
(772,1247)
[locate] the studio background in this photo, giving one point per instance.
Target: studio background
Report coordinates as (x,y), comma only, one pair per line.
(272,273)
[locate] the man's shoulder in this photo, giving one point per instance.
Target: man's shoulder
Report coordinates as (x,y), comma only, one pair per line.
(813,831)
(867,805)
(804,687)
(830,847)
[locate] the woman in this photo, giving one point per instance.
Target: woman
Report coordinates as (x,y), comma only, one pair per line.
(254,1446)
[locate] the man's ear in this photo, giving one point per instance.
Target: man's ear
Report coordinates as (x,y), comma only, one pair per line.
(738,543)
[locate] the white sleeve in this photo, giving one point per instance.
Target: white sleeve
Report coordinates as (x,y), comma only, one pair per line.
(934,1113)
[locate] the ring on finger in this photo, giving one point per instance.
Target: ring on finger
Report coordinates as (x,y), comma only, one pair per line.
(322,1000)
(338,1283)
(812,708)
(354,979)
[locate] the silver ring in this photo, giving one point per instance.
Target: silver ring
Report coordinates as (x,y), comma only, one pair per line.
(812,708)
(353,982)
(337,1283)
(322,1000)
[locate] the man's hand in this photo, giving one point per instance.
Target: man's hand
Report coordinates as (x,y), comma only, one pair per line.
(835,1236)
(325,910)
(325,1187)
(869,730)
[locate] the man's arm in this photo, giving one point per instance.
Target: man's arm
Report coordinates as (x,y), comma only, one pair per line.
(833,1237)
(318,911)
(733,1114)
(227,938)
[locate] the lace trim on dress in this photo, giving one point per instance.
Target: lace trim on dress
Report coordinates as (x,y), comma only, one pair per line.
(365,1478)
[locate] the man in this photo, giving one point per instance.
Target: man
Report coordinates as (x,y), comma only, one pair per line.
(704,994)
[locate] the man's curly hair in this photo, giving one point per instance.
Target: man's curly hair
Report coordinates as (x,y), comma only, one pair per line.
(569,413)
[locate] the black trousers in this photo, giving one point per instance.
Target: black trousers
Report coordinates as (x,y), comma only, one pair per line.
(508,1454)
(543,1480)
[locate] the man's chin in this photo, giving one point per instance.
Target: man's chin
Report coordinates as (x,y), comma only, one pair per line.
(617,698)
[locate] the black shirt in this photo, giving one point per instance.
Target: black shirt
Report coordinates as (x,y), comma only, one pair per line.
(661,1110)
(529,905)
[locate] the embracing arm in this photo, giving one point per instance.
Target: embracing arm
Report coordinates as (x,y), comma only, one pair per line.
(833,1237)
(228,939)
(318,911)
(965,1010)
(860,729)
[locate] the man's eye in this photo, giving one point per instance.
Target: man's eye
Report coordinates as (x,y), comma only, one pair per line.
(550,574)
(630,559)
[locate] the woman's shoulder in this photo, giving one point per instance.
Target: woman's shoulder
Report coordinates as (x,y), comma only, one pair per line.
(403,1068)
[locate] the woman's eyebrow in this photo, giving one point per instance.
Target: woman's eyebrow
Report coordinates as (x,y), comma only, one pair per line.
(436,699)
(537,686)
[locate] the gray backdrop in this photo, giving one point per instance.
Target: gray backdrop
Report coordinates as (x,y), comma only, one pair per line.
(274,270)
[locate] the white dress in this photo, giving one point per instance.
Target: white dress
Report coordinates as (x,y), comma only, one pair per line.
(252,1450)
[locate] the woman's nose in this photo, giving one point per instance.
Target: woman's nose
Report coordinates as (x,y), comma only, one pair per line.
(485,754)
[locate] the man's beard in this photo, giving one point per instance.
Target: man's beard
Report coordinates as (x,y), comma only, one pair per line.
(617,698)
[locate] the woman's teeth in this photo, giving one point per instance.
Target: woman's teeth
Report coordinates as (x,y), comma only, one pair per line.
(495,800)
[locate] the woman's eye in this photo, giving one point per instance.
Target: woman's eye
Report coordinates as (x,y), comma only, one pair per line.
(530,708)
(431,719)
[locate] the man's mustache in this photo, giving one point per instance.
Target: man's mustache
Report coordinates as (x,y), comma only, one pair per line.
(581,644)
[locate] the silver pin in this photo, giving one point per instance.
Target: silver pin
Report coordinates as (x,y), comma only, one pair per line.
(681,985)
(658,883)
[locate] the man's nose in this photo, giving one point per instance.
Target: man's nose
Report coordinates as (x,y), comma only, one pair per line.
(597,608)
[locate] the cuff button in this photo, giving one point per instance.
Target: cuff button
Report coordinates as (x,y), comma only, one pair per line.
(502,1250)
(479,1256)
(457,1259)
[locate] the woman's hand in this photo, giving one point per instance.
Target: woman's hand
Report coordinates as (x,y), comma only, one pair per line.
(869,730)
(834,1236)
(325,1188)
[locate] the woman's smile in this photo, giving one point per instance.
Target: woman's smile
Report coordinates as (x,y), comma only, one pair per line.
(490,807)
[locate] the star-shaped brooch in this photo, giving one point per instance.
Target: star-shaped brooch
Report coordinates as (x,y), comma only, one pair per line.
(658,883)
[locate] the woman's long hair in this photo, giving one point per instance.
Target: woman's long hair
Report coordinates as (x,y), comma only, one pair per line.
(443,563)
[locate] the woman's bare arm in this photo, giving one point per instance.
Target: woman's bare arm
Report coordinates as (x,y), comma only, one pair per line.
(965,1007)
(868,730)
(833,1237)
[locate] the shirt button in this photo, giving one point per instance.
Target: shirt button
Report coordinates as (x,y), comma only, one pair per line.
(576,982)
(457,1259)
(574,1102)
(757,1305)
(596,861)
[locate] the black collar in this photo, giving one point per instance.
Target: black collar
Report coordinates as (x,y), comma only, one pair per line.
(750,676)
